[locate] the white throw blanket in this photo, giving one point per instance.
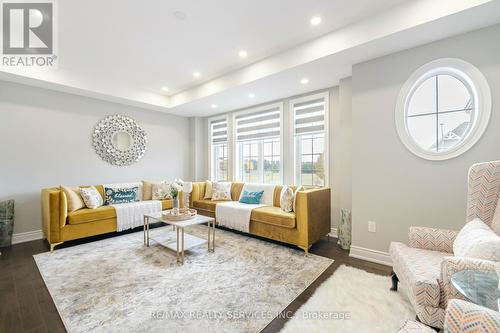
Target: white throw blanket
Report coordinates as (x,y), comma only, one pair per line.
(235,215)
(131,215)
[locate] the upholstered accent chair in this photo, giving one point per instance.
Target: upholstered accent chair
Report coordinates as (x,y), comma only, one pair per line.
(426,265)
(461,317)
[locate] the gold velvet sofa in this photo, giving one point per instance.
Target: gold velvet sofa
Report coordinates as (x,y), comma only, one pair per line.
(59,225)
(307,224)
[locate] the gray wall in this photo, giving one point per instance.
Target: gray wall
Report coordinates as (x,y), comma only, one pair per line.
(340,148)
(389,184)
(45,140)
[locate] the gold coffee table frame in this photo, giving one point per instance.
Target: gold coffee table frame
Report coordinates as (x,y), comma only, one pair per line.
(183,241)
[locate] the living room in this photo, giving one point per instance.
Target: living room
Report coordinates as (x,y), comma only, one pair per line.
(250,166)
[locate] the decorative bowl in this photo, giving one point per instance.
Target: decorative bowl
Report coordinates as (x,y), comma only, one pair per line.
(179,214)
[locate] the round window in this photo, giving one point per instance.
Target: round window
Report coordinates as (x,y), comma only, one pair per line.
(443,109)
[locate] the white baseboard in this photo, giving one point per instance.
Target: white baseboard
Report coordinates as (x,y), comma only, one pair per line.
(378,257)
(333,233)
(22,237)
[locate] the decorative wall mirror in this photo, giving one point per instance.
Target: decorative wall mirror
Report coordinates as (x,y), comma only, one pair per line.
(119,140)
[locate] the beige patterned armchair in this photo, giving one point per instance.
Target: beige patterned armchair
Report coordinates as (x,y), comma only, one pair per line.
(426,265)
(461,317)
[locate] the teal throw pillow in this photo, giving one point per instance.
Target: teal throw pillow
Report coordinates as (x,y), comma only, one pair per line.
(120,195)
(251,197)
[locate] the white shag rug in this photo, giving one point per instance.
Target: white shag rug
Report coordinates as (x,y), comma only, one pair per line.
(119,285)
(352,300)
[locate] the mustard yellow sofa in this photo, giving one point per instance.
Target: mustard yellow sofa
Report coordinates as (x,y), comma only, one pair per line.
(307,224)
(59,225)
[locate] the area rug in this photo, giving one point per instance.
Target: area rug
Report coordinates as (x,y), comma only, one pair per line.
(352,300)
(120,285)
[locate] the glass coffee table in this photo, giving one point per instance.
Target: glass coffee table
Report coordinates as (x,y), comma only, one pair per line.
(176,240)
(479,287)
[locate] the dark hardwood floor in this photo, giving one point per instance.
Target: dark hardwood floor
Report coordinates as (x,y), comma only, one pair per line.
(26,305)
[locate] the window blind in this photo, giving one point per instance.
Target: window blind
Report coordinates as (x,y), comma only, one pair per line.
(259,124)
(309,116)
(218,130)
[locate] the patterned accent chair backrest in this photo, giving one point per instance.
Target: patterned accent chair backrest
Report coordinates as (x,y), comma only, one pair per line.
(483,191)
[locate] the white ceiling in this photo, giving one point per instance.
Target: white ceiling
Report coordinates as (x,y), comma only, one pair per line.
(125,51)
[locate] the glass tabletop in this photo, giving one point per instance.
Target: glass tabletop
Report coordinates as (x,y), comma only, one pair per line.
(479,287)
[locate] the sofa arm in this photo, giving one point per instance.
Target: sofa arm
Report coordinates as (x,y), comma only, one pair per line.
(432,239)
(452,265)
(462,316)
(54,213)
(312,212)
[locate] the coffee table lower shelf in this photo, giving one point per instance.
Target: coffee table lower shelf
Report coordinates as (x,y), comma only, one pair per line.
(176,240)
(169,240)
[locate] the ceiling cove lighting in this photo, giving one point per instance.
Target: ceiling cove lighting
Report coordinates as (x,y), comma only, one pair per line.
(213,106)
(316,20)
(243,54)
(196,75)
(251,95)
(165,89)
(304,80)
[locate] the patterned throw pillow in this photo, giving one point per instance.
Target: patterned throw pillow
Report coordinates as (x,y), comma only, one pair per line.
(221,191)
(91,197)
(161,191)
(114,196)
(251,197)
(286,199)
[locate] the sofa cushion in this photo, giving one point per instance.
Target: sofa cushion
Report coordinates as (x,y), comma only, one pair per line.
(75,200)
(208,190)
(274,216)
(208,205)
(420,271)
(90,215)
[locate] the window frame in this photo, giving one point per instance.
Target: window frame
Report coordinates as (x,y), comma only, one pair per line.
(238,152)
(211,147)
(479,89)
(326,132)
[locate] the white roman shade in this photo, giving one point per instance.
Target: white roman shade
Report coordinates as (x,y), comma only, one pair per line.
(218,130)
(264,123)
(309,116)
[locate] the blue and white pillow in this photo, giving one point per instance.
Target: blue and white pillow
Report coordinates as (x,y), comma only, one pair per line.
(251,197)
(120,195)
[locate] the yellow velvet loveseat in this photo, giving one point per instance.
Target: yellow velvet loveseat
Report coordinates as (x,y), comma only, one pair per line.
(59,225)
(303,227)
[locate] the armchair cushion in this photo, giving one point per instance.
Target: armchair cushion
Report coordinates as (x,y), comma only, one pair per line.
(432,239)
(465,317)
(477,240)
(451,265)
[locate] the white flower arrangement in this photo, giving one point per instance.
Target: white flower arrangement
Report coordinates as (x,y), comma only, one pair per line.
(176,187)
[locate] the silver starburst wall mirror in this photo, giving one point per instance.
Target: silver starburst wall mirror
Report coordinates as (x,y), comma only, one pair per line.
(119,140)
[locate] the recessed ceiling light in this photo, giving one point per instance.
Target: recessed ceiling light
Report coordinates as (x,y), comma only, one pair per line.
(316,20)
(196,74)
(164,88)
(213,106)
(304,80)
(243,54)
(251,95)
